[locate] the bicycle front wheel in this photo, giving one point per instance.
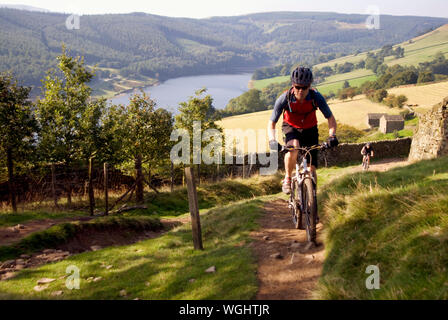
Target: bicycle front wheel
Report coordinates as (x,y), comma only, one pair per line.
(310,208)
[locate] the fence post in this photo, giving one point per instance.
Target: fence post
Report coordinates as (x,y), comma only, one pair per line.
(53,185)
(244,166)
(172,177)
(106,193)
(91,194)
(194,209)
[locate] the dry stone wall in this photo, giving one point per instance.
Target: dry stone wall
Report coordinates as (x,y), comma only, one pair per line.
(349,152)
(344,153)
(431,138)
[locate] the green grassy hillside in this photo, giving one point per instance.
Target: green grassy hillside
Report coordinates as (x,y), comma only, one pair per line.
(416,50)
(139,46)
(395,220)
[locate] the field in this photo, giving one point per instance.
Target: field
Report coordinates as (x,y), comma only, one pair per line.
(352,112)
(333,83)
(424,96)
(354,78)
(260,84)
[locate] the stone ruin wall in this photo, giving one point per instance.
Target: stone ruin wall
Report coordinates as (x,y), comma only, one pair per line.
(431,139)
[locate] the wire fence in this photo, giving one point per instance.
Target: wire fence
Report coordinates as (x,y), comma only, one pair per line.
(58,186)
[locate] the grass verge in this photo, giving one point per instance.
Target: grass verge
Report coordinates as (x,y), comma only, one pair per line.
(395,220)
(59,234)
(161,268)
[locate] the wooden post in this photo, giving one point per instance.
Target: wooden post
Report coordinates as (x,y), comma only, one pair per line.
(172,178)
(53,185)
(199,174)
(139,178)
(106,193)
(91,194)
(194,209)
(11,182)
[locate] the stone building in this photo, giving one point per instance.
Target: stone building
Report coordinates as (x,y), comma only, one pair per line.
(391,123)
(431,138)
(373,119)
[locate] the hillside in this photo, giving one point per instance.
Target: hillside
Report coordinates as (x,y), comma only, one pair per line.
(416,50)
(146,48)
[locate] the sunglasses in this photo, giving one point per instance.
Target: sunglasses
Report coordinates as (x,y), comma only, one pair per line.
(299,87)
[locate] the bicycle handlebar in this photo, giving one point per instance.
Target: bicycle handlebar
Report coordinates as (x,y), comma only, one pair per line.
(322,146)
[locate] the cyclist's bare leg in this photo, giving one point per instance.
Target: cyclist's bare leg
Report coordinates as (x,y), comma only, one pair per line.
(291,158)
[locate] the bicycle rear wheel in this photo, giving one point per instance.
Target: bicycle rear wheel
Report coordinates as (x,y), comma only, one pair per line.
(310,208)
(294,205)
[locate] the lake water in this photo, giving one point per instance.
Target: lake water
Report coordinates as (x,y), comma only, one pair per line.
(222,88)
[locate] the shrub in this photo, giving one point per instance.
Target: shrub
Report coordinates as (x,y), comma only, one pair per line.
(379,95)
(394,101)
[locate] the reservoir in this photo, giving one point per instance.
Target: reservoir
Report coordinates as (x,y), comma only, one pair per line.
(168,95)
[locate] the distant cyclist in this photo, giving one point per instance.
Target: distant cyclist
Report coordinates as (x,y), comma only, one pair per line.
(298,106)
(367,152)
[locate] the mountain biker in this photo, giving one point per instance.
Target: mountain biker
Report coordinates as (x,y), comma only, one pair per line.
(367,151)
(298,106)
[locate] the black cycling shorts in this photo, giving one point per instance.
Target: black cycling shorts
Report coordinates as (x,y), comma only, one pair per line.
(306,137)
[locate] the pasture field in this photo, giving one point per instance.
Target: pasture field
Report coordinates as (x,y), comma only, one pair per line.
(352,112)
(334,85)
(425,96)
(260,84)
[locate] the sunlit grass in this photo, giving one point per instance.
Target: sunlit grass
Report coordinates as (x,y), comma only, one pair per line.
(395,220)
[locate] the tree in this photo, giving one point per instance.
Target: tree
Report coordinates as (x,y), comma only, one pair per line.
(145,135)
(425,76)
(68,119)
(379,95)
(249,101)
(197,109)
(18,127)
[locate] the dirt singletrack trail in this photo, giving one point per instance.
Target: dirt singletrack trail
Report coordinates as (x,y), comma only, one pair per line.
(286,270)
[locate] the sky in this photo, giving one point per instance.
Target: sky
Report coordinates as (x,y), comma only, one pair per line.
(209,8)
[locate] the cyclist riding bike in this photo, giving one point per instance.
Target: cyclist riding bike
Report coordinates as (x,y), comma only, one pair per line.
(367,152)
(298,106)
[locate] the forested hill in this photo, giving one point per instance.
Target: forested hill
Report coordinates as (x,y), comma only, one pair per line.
(139,44)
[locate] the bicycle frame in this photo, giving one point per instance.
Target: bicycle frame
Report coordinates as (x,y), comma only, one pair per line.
(303,172)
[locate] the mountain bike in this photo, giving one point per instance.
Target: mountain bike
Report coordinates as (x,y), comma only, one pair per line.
(302,200)
(365,162)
